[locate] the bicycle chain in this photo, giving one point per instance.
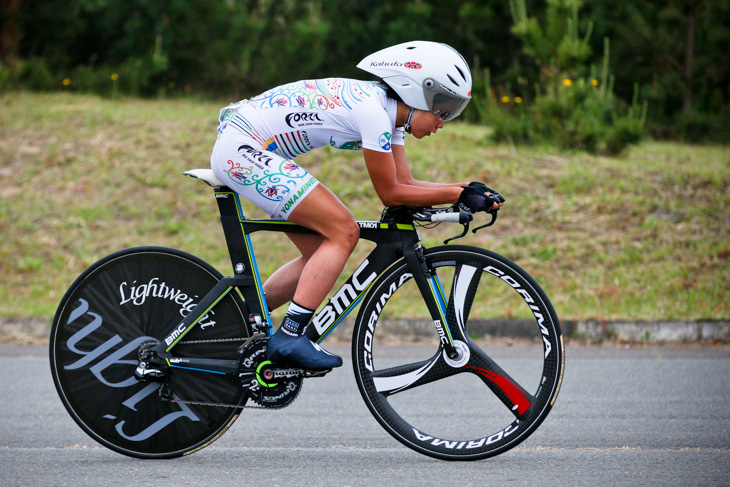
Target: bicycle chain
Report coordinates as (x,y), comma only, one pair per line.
(213,340)
(214,404)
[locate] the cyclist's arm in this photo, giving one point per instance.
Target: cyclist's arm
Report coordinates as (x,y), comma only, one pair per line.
(386,173)
(404,176)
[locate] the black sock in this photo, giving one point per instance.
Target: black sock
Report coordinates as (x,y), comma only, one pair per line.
(296,320)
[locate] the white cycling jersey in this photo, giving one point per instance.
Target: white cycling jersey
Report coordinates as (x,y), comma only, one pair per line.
(257,138)
(344,113)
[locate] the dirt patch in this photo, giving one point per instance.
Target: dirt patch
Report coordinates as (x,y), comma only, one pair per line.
(24,331)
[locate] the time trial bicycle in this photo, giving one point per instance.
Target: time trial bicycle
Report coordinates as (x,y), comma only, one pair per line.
(155,354)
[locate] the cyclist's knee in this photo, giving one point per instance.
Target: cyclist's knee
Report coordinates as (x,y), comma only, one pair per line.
(350,235)
(344,233)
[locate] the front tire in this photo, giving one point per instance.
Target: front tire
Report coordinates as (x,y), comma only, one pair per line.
(476,406)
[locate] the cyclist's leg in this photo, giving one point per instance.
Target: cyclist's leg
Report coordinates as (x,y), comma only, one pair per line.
(324,213)
(282,284)
(321,211)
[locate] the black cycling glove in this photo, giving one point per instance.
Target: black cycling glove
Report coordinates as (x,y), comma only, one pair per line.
(473,199)
(483,187)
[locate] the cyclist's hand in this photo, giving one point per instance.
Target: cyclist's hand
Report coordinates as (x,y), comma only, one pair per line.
(478,197)
(496,197)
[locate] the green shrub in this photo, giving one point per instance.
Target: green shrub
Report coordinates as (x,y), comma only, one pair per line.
(35,75)
(697,126)
(8,75)
(575,112)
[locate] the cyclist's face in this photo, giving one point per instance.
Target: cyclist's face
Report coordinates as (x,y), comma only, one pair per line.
(425,123)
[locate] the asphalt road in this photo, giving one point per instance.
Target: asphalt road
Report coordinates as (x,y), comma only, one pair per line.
(648,417)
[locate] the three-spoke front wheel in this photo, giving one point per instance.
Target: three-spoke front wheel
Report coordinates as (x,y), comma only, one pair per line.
(485,401)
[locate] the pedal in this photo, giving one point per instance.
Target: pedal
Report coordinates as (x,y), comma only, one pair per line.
(316,373)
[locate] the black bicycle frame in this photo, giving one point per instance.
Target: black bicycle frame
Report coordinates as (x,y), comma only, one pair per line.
(393,242)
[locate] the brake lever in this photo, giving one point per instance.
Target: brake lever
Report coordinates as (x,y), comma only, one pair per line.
(494,219)
(466,229)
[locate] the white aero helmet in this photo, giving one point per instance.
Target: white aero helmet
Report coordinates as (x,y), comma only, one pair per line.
(426,75)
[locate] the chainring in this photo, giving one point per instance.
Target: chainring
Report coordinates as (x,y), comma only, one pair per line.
(266,384)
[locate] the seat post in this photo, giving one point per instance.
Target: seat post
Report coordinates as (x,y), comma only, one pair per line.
(241,252)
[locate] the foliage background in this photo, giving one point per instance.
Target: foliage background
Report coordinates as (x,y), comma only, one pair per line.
(643,235)
(675,50)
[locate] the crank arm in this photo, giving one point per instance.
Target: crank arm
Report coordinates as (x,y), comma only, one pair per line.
(295,373)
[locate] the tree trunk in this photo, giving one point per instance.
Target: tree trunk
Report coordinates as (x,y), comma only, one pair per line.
(9,30)
(689,57)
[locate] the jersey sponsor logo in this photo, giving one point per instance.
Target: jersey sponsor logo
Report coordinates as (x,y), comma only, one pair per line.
(352,145)
(384,140)
(305,139)
(368,224)
(286,207)
(303,119)
(254,155)
(413,65)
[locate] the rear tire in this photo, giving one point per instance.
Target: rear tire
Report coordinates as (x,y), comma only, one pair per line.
(122,301)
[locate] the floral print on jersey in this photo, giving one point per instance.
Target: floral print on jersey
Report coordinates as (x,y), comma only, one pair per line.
(320,94)
(353,145)
(272,181)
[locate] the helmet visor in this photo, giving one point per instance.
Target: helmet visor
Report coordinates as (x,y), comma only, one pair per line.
(448,107)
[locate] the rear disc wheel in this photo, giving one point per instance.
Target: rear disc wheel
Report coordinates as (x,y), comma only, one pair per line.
(123,301)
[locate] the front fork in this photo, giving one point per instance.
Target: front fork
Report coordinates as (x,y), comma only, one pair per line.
(433,294)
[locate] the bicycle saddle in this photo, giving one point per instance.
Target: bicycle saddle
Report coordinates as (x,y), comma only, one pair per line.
(205,175)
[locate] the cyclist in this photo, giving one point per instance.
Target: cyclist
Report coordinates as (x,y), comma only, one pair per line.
(425,85)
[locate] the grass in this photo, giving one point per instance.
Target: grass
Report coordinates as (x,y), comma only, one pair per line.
(644,236)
